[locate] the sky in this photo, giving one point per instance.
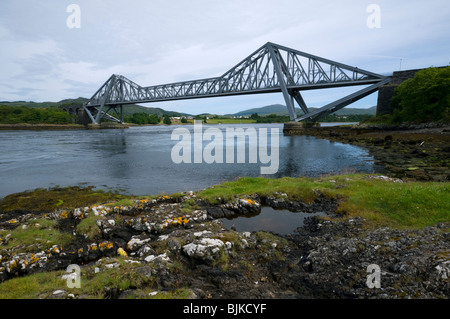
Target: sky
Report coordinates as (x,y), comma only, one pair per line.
(49,52)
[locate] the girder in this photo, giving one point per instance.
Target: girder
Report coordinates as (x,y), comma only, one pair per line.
(271,68)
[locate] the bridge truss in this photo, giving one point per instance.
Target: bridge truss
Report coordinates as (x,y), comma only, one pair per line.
(271,68)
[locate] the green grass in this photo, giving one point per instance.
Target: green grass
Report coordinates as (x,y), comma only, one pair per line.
(409,205)
(93,285)
(230,121)
(398,205)
(32,287)
(41,234)
(382,203)
(89,227)
(297,188)
(123,277)
(122,202)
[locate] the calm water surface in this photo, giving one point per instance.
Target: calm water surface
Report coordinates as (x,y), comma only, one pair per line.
(138,160)
(278,221)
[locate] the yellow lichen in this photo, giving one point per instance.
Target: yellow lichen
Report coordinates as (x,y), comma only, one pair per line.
(106,245)
(33,259)
(122,252)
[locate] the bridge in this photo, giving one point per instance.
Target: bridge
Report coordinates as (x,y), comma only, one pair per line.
(272,68)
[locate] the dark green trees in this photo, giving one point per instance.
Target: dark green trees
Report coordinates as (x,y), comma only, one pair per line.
(423,98)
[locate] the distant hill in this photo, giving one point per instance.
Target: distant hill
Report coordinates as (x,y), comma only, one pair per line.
(279,109)
(265,110)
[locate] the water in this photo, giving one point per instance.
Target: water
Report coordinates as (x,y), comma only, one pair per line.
(278,221)
(138,160)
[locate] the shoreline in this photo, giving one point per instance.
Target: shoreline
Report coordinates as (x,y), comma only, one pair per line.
(26,126)
(414,152)
(176,247)
(50,127)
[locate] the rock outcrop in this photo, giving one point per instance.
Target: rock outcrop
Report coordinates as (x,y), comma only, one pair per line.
(171,247)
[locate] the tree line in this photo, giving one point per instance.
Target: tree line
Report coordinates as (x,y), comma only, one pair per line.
(22,114)
(143,118)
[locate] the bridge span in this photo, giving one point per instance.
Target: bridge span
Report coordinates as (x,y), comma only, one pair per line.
(271,68)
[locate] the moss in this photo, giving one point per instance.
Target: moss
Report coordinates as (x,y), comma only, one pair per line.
(57,198)
(89,228)
(230,236)
(222,260)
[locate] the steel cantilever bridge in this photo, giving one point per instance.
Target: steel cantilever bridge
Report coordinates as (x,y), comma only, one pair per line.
(271,68)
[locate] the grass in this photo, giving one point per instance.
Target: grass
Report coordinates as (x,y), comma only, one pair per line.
(398,205)
(382,203)
(122,278)
(89,227)
(230,121)
(297,188)
(409,205)
(41,234)
(93,285)
(33,286)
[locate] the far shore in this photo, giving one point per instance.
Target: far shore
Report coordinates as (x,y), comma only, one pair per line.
(43,126)
(25,126)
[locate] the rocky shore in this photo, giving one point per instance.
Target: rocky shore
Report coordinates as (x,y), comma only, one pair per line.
(410,152)
(177,247)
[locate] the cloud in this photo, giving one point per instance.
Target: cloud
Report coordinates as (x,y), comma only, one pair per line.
(158,41)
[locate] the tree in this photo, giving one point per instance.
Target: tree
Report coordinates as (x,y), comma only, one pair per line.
(167,120)
(143,118)
(423,98)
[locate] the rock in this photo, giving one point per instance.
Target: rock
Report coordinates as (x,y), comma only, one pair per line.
(59,294)
(159,258)
(204,249)
(325,258)
(174,245)
(137,241)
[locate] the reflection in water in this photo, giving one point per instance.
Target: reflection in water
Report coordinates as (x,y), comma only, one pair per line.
(277,221)
(138,160)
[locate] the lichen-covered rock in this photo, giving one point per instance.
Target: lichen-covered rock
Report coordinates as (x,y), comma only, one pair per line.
(172,247)
(205,249)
